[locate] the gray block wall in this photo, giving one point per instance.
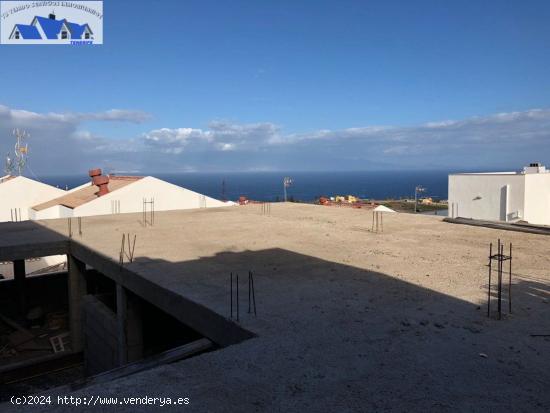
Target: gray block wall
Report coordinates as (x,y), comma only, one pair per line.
(100,336)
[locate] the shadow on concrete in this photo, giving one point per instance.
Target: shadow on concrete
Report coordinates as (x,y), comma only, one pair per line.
(367,338)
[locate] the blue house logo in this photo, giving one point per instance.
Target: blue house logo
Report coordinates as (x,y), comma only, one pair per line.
(42,28)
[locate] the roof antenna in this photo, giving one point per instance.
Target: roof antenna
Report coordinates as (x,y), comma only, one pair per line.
(21,152)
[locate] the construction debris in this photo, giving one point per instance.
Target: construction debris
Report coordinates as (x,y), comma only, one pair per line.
(59,342)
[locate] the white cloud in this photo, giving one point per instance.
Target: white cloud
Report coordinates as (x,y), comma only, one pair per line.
(115,115)
(58,143)
(220,136)
(500,140)
(22,117)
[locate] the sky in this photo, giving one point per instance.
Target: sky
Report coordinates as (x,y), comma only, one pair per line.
(207,86)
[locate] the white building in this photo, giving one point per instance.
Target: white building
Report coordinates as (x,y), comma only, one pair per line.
(18,194)
(123,194)
(502,196)
(110,195)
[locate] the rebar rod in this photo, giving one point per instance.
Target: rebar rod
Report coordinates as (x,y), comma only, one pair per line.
(489,287)
(122,252)
(510,282)
(500,247)
(133,248)
(249,291)
(253,292)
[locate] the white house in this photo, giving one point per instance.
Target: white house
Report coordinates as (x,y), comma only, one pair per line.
(122,194)
(502,196)
(104,195)
(18,194)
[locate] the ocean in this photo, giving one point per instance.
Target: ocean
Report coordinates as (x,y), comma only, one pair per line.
(306,186)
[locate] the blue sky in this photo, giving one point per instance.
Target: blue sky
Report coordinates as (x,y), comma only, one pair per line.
(275,85)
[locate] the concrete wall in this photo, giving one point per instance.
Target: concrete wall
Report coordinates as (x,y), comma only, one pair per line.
(130,198)
(100,336)
(57,211)
(496,197)
(23,193)
(167,197)
(537,198)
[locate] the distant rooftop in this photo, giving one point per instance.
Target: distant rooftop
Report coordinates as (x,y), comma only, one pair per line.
(533,168)
(89,193)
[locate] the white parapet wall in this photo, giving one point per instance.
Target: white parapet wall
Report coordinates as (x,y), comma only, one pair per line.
(19,194)
(537,198)
(166,197)
(130,198)
(504,196)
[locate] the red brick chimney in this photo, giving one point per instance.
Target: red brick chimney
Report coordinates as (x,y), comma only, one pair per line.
(100,181)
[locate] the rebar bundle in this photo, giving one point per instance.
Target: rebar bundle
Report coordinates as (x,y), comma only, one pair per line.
(265,208)
(377,221)
(499,258)
(127,249)
(148,214)
(251,294)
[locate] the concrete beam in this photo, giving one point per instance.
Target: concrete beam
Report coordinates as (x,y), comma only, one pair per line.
(169,356)
(121,306)
(77,290)
(210,324)
(34,250)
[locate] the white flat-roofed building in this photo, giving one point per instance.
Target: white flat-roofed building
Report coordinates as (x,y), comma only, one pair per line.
(502,196)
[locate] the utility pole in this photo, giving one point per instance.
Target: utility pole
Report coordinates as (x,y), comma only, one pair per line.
(417,190)
(223,191)
(286,183)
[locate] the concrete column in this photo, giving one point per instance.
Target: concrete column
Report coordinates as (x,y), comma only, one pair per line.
(19,276)
(77,289)
(121,307)
(134,328)
(130,330)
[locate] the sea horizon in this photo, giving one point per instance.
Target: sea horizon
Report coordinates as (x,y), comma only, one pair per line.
(306,185)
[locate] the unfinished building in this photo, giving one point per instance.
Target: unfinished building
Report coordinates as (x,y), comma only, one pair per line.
(346,318)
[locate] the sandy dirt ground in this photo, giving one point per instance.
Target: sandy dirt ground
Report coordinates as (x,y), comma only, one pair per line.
(348,320)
